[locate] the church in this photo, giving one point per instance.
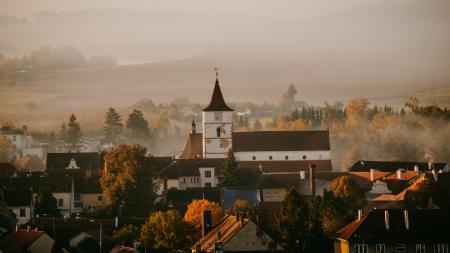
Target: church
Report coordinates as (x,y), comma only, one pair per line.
(283,153)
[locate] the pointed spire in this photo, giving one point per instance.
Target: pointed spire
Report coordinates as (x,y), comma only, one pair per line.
(217,102)
(193,128)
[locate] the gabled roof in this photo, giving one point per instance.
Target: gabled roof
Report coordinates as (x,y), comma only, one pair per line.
(425,225)
(194,147)
(390,166)
(84,160)
(18,198)
(217,102)
(227,228)
(17,241)
(9,130)
(281,141)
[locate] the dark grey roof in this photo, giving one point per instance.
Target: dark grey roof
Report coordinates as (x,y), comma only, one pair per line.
(18,197)
(217,102)
(391,166)
(281,141)
(88,160)
(425,226)
(188,167)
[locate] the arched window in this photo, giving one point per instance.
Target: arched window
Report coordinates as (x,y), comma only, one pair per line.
(304,157)
(286,158)
(218,130)
(254,158)
(270,157)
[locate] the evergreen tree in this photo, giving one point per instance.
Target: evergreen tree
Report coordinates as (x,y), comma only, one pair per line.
(230,170)
(73,132)
(45,203)
(63,135)
(113,126)
(294,222)
(137,127)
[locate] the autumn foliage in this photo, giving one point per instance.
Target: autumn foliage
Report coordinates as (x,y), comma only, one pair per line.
(195,211)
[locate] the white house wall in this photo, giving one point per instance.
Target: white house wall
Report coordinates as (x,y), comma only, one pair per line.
(281,155)
(26,218)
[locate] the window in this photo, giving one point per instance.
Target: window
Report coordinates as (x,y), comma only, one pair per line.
(420,248)
(270,157)
(77,197)
(217,116)
(304,157)
(361,248)
(400,248)
(441,248)
(99,197)
(253,158)
(207,185)
(22,212)
(275,195)
(60,202)
(218,131)
(14,138)
(267,196)
(380,248)
(184,180)
(286,158)
(207,173)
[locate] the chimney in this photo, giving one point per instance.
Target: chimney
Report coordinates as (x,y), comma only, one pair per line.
(17,227)
(399,174)
(416,168)
(359,214)
(260,168)
(405,214)
(28,228)
(207,222)
(429,165)
(302,174)
(386,219)
(435,175)
(312,179)
(372,174)
(116,222)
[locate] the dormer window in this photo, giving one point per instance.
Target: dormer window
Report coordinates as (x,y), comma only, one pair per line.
(218,116)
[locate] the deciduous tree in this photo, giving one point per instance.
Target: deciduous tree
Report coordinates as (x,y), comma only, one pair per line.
(195,211)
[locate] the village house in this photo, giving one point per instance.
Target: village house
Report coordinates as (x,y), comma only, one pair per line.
(396,231)
(20,240)
(234,234)
(20,202)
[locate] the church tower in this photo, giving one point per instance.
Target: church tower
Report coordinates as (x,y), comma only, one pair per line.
(217,125)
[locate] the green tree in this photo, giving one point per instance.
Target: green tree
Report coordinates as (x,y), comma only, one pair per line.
(113,126)
(294,223)
(230,170)
(125,235)
(137,127)
(73,132)
(127,182)
(63,135)
(167,230)
(45,203)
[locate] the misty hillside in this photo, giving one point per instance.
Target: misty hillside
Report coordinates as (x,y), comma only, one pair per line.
(392,49)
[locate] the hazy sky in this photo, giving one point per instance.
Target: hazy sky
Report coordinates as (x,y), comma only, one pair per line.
(270,8)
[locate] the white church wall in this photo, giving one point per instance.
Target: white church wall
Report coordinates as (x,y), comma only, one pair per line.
(281,155)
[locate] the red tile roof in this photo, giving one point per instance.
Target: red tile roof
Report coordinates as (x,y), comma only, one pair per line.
(16,241)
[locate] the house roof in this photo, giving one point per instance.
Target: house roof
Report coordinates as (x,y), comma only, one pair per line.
(389,166)
(84,160)
(194,147)
(227,227)
(217,102)
(281,141)
(393,183)
(16,241)
(7,170)
(425,225)
(9,130)
(18,198)
(287,165)
(188,167)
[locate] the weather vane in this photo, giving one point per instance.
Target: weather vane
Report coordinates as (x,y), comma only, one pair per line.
(217,72)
